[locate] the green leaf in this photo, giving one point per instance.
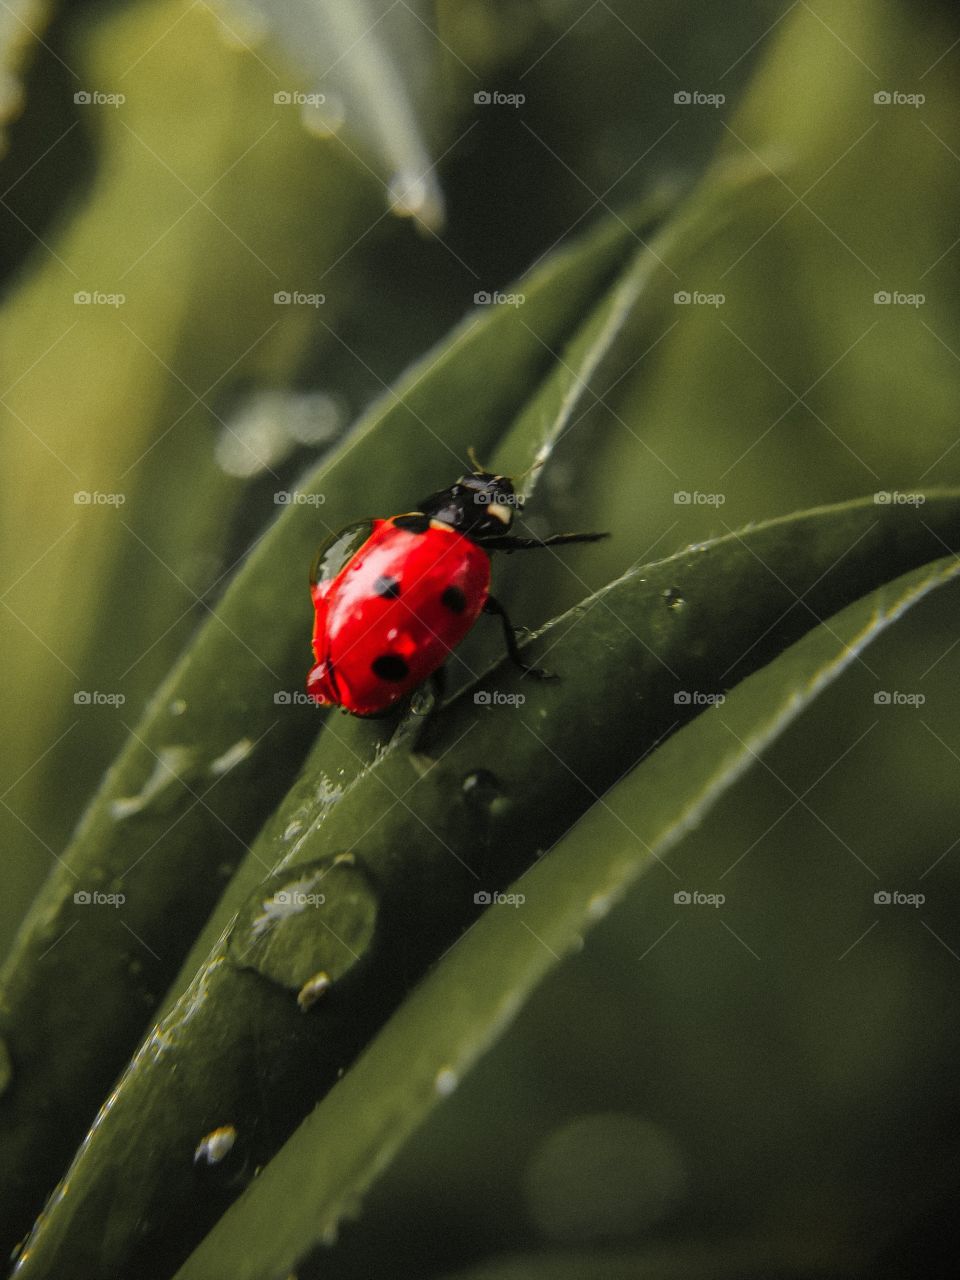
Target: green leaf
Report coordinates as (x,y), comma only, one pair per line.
(20,22)
(485,791)
(460,1009)
(366,63)
(179,804)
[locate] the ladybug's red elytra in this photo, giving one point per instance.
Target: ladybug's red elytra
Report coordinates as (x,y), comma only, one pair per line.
(392,598)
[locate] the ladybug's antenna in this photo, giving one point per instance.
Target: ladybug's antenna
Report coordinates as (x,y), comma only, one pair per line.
(535,465)
(474,460)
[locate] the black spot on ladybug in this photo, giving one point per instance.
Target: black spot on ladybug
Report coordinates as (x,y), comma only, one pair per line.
(390,666)
(454,600)
(416,522)
(387,588)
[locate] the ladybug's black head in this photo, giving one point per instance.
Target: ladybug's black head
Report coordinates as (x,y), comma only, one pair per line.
(480,505)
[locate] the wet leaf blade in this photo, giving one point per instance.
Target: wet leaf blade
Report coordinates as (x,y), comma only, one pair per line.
(476,991)
(165,856)
(416,829)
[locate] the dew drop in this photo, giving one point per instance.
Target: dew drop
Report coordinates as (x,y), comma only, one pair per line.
(313,989)
(307,926)
(6,1068)
(424,699)
(292,829)
(599,905)
(172,763)
(178,706)
(445,1082)
(673,599)
(231,757)
(216,1145)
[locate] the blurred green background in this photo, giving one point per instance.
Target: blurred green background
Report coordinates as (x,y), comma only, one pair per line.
(781,1068)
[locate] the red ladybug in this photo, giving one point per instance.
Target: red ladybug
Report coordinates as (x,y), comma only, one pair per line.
(393,597)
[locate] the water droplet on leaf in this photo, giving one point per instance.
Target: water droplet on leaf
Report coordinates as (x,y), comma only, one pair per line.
(445,1082)
(673,598)
(231,757)
(307,921)
(216,1145)
(171,764)
(313,990)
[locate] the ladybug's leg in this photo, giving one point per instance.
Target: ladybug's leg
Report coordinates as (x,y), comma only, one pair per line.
(507,542)
(494,607)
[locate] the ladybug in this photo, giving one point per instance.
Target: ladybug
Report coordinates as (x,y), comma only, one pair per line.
(392,598)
